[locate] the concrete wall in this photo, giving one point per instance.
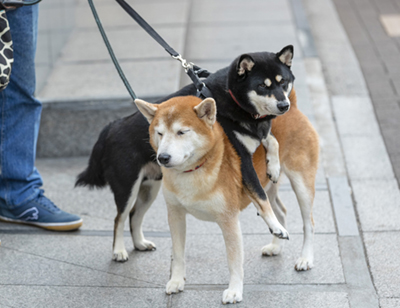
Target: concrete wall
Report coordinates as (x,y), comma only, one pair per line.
(56,21)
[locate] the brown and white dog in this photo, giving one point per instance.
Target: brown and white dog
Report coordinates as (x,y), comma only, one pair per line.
(203,177)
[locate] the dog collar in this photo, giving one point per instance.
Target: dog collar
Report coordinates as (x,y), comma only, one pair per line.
(197,167)
(254,115)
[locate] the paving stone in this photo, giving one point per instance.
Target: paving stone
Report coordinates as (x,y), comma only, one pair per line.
(387,7)
(192,299)
(267,11)
(27,266)
(346,108)
(389,302)
(389,50)
(128,43)
(87,255)
(378,204)
(373,71)
(202,269)
(366,155)
(228,42)
(102,80)
(396,84)
(353,83)
(152,268)
(391,139)
(154,12)
(367,55)
(381,87)
(367,158)
(54,296)
(384,266)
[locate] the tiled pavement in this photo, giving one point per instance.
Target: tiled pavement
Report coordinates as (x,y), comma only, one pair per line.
(357,200)
(379,57)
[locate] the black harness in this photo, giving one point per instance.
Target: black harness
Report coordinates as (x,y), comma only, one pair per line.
(193,71)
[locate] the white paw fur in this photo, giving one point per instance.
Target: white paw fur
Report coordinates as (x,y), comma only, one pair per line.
(145,245)
(120,255)
(175,286)
(232,296)
(303,264)
(271,250)
(274,171)
(280,233)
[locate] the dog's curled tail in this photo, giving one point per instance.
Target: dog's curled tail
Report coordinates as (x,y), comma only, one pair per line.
(93,175)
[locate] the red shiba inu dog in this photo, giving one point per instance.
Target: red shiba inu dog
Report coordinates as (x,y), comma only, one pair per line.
(202,176)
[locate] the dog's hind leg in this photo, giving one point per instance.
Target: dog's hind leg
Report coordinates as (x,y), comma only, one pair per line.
(234,251)
(276,246)
(304,188)
(125,202)
(147,193)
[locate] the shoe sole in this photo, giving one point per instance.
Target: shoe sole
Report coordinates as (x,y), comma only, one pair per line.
(62,226)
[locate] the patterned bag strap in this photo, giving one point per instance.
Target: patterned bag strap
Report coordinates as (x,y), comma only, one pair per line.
(15,4)
(6,51)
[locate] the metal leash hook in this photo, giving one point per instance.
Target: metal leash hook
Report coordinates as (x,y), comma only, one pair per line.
(185,64)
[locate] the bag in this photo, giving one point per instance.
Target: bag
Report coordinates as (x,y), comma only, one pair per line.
(6,51)
(6,45)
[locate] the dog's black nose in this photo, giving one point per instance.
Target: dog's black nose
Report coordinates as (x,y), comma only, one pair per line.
(283,106)
(164,158)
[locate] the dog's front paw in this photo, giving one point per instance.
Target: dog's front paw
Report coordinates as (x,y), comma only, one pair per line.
(271,250)
(175,286)
(303,264)
(273,171)
(280,233)
(145,245)
(232,296)
(120,255)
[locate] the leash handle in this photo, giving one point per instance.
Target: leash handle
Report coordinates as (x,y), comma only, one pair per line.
(111,52)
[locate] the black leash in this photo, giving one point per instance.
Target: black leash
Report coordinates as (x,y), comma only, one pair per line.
(111,52)
(193,71)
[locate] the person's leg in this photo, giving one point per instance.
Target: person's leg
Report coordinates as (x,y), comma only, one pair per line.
(21,198)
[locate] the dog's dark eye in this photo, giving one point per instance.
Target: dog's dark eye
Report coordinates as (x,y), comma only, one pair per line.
(282,81)
(159,134)
(262,85)
(182,132)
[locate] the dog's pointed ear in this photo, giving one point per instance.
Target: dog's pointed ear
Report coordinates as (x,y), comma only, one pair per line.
(286,55)
(147,109)
(245,64)
(207,111)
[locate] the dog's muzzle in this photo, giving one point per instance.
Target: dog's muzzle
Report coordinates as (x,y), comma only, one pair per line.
(164,158)
(283,106)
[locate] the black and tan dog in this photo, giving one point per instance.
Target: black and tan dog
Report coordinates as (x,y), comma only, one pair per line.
(249,93)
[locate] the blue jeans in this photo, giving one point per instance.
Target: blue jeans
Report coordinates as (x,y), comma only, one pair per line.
(20,114)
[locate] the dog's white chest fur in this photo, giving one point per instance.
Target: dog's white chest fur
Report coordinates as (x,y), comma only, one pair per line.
(200,204)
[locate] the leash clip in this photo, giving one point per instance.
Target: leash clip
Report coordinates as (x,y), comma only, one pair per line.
(185,64)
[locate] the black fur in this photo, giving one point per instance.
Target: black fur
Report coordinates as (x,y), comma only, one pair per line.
(123,147)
